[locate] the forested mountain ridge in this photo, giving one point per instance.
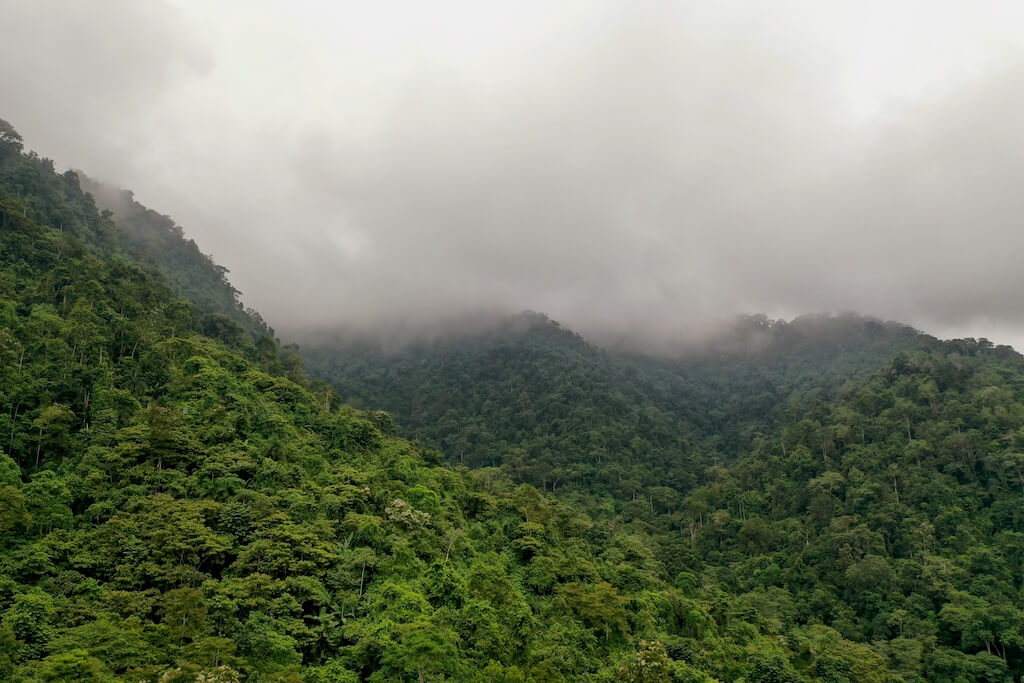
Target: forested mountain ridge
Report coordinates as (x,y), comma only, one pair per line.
(880,505)
(178,503)
(110,220)
(182,507)
(530,395)
(748,377)
(154,238)
(555,410)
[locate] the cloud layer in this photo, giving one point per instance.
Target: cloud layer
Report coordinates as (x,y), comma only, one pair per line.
(625,167)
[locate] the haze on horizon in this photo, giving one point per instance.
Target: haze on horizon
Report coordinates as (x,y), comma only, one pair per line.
(625,167)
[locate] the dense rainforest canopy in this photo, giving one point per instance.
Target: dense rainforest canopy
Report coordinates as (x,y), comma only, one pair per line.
(831,499)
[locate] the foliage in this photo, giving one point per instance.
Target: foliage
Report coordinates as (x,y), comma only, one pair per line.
(849,486)
(177,502)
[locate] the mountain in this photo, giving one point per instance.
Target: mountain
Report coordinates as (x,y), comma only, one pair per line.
(831,499)
(554,410)
(179,504)
(528,395)
(834,478)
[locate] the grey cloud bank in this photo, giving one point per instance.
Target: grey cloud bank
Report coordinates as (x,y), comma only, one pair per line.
(644,168)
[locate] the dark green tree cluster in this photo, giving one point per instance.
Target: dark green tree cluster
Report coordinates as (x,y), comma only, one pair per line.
(890,516)
(871,518)
(558,412)
(533,398)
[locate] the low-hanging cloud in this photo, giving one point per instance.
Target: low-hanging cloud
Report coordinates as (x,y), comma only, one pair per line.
(628,168)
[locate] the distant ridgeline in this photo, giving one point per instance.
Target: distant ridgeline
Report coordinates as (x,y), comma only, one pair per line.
(844,475)
(537,398)
(178,503)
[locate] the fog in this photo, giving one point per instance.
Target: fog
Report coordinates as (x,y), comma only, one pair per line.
(638,169)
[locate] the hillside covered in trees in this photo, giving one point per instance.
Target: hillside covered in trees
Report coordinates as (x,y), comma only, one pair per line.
(840,472)
(538,399)
(839,501)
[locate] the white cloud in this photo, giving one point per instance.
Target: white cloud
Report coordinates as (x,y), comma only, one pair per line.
(641,165)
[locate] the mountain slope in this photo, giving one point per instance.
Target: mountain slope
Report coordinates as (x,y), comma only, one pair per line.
(177,503)
(554,409)
(154,238)
(866,500)
(171,510)
(890,514)
(530,396)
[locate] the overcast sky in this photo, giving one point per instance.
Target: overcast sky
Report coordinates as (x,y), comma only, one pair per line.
(618,165)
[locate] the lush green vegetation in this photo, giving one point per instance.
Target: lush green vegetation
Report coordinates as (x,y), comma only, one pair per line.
(179,503)
(832,476)
(553,410)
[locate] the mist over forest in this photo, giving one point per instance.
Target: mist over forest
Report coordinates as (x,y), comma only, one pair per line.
(648,170)
(549,342)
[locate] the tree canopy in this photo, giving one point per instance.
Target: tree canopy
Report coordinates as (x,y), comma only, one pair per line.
(179,502)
